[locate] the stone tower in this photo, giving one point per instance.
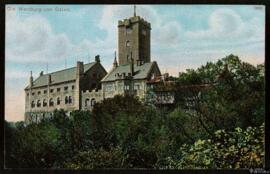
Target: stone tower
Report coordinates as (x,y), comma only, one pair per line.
(134,40)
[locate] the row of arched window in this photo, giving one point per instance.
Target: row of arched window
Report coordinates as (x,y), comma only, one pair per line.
(44,103)
(89,102)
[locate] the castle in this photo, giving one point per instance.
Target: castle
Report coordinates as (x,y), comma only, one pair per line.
(80,87)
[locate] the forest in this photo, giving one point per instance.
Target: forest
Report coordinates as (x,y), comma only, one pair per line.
(222,126)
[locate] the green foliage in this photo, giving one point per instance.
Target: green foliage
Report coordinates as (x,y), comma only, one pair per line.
(97,159)
(35,146)
(236,149)
(232,95)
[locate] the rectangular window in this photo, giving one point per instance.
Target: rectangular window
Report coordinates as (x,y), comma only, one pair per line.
(51,91)
(72,86)
(137,87)
(38,92)
(109,88)
(66,88)
(120,87)
(27,94)
(128,30)
(58,89)
(45,91)
(126,87)
(33,93)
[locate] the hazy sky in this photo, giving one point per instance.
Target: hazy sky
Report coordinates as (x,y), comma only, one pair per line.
(182,37)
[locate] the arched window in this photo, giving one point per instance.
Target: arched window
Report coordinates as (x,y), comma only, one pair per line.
(93,102)
(128,43)
(58,101)
(66,100)
(87,102)
(44,102)
(69,99)
(127,57)
(51,102)
(38,103)
(32,104)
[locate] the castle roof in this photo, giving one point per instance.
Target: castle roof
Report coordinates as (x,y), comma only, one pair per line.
(61,76)
(140,71)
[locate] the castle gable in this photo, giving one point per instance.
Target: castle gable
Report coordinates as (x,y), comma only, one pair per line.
(140,71)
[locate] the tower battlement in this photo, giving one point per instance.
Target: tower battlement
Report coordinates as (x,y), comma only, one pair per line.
(132,20)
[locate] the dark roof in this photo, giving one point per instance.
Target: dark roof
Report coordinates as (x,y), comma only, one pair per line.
(140,71)
(61,76)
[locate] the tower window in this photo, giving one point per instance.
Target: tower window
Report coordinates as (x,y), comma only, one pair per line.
(144,32)
(128,43)
(128,30)
(58,89)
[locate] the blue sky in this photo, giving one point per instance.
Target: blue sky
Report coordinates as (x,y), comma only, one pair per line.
(182,37)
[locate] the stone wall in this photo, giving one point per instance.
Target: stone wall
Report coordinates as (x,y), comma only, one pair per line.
(63,99)
(89,98)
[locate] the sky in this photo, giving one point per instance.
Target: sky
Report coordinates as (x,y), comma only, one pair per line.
(51,37)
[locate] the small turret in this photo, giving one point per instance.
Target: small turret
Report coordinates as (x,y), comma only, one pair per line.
(49,79)
(31,79)
(115,64)
(134,11)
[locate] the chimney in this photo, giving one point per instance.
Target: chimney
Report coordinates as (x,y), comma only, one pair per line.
(97,58)
(31,79)
(41,73)
(49,79)
(166,76)
(80,69)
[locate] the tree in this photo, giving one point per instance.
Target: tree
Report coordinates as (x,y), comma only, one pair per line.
(235,149)
(97,159)
(35,145)
(223,95)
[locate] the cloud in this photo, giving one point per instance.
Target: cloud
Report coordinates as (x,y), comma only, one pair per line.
(163,31)
(221,23)
(16,74)
(31,39)
(227,26)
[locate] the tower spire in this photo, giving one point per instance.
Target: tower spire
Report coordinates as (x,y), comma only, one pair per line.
(134,10)
(115,64)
